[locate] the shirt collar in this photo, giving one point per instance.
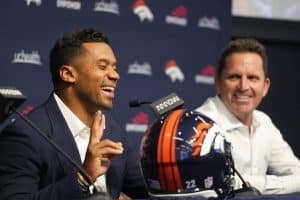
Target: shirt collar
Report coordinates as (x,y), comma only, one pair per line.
(76,126)
(229,120)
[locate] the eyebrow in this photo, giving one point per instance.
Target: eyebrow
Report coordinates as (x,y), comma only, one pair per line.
(106,61)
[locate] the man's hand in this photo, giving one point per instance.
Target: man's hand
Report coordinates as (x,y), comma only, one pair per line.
(99,152)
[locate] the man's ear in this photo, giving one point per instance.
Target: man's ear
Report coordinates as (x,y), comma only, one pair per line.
(266,86)
(217,85)
(67,73)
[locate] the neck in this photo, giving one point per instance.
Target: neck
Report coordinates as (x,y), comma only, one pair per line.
(77,107)
(246,120)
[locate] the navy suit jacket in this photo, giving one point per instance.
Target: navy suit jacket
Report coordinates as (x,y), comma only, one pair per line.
(32,169)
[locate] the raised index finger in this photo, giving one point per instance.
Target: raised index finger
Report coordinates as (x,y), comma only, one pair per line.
(97,127)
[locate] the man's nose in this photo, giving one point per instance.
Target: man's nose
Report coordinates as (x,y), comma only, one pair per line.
(113,74)
(244,83)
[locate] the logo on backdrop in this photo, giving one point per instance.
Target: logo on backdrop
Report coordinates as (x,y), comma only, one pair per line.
(140,8)
(178,16)
(37,2)
(139,123)
(30,58)
(73,5)
(206,75)
(173,71)
(210,23)
(142,69)
(109,7)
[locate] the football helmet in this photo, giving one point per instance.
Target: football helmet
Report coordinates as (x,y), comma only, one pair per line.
(182,153)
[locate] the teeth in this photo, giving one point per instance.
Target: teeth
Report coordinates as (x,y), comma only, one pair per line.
(244,97)
(107,88)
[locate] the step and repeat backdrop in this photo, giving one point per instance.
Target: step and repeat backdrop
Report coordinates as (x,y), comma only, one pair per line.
(161,47)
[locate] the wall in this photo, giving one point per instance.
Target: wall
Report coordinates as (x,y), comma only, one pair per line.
(161,48)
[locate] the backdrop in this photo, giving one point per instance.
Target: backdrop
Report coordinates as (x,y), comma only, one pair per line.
(161,46)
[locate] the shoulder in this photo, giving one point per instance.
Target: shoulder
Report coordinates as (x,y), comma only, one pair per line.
(261,116)
(208,105)
(265,123)
(210,108)
(23,127)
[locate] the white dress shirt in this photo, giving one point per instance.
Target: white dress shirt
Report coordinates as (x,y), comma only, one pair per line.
(81,134)
(260,153)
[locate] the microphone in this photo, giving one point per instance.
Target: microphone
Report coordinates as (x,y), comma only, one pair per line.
(10,99)
(166,104)
(162,105)
(137,103)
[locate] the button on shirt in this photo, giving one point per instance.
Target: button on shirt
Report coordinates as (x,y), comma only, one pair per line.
(259,152)
(81,134)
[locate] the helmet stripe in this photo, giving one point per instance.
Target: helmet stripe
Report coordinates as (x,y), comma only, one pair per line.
(169,174)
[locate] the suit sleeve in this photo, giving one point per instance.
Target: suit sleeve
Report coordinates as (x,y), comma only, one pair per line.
(134,184)
(22,168)
(283,174)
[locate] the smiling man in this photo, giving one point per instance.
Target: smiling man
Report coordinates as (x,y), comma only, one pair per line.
(84,74)
(259,151)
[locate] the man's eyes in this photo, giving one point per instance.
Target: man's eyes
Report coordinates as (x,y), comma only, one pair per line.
(233,76)
(102,66)
(236,76)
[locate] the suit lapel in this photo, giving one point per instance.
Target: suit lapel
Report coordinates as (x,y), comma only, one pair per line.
(62,135)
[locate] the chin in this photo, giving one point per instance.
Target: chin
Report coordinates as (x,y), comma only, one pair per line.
(107,107)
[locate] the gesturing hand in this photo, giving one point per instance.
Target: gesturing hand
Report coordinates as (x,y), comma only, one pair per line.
(99,152)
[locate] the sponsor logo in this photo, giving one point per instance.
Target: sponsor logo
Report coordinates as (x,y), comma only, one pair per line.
(173,71)
(26,110)
(10,92)
(37,2)
(73,5)
(178,16)
(30,58)
(210,23)
(139,123)
(167,103)
(23,112)
(143,69)
(140,9)
(206,75)
(110,7)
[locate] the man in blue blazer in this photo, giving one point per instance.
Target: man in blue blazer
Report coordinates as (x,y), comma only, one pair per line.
(84,75)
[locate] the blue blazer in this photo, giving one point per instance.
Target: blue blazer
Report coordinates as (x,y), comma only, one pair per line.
(32,169)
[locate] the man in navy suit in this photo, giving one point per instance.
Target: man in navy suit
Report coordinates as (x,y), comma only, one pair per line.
(84,75)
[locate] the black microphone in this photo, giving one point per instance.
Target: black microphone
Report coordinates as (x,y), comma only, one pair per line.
(137,103)
(166,104)
(10,99)
(162,105)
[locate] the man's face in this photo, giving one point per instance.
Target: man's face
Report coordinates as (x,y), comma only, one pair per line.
(242,84)
(96,76)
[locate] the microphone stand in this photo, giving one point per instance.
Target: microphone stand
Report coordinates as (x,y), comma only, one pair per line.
(246,189)
(98,195)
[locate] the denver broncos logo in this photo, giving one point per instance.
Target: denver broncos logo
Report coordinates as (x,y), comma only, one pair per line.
(142,11)
(199,136)
(173,71)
